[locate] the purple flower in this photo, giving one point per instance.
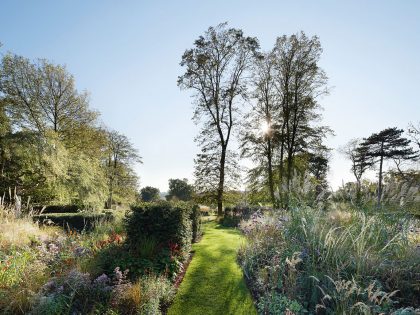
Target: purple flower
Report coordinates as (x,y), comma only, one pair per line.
(81,251)
(53,248)
(60,289)
(304,254)
(119,277)
(102,280)
(50,286)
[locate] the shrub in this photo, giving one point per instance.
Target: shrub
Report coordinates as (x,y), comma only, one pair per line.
(233,216)
(205,210)
(21,274)
(148,247)
(57,209)
(168,223)
(196,223)
(30,254)
(159,237)
(74,221)
(275,303)
(76,293)
(149,295)
(331,262)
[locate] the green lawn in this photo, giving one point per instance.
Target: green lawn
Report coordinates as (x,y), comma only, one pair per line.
(214,283)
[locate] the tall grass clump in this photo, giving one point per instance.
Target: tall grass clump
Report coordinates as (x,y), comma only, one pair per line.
(335,262)
(31,256)
(150,294)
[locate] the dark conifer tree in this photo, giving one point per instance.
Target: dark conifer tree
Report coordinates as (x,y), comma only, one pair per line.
(387,144)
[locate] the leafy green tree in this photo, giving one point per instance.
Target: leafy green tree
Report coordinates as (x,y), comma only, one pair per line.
(300,81)
(87,181)
(43,96)
(36,168)
(20,162)
(215,70)
(5,130)
(360,162)
(258,138)
(280,134)
(387,144)
(55,163)
(149,193)
(414,132)
(318,167)
(179,189)
(52,149)
(121,155)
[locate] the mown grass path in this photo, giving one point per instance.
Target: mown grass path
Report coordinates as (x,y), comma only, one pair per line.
(214,283)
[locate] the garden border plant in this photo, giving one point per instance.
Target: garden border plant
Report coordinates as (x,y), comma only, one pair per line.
(308,259)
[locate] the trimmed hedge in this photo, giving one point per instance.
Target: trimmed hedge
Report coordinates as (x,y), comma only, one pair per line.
(169,223)
(196,223)
(57,209)
(74,221)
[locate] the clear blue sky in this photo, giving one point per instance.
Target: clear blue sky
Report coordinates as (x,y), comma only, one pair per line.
(127,54)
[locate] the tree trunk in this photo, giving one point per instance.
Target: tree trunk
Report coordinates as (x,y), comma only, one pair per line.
(111,168)
(111,193)
(380,181)
(281,169)
(289,177)
(55,117)
(221,182)
(270,173)
(358,191)
(2,162)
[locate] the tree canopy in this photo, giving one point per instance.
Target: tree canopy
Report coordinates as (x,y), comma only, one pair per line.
(149,193)
(179,189)
(53,150)
(215,71)
(386,144)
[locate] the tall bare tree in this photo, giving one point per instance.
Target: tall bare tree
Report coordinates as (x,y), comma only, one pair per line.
(215,70)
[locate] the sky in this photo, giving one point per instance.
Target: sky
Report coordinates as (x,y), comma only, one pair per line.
(127,54)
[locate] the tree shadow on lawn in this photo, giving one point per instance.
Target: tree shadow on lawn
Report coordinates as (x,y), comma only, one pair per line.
(215,292)
(230,230)
(214,283)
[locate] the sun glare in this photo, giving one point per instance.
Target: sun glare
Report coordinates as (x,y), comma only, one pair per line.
(265,127)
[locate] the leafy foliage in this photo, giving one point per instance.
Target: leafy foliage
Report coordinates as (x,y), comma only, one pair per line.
(121,154)
(331,262)
(52,150)
(149,193)
(387,144)
(196,223)
(179,189)
(169,223)
(215,70)
(74,221)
